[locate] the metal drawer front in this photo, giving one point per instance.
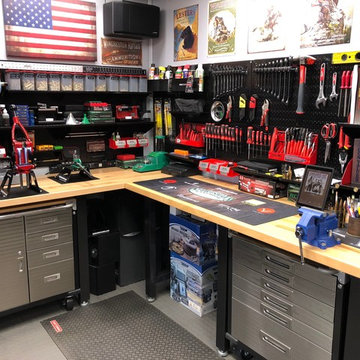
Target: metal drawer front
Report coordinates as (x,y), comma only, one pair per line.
(50,254)
(48,220)
(49,238)
(284,292)
(270,339)
(13,270)
(50,280)
(298,327)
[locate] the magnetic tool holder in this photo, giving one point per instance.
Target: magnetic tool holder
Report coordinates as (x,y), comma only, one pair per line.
(298,147)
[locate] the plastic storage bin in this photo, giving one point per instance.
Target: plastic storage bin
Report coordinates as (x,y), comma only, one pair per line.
(28,81)
(78,82)
(89,82)
(124,83)
(41,82)
(143,84)
(100,82)
(133,84)
(13,79)
(112,83)
(54,82)
(66,82)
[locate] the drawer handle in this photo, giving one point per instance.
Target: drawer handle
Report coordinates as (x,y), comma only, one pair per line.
(277,262)
(274,317)
(51,278)
(274,344)
(274,303)
(277,276)
(268,286)
(49,220)
(21,264)
(50,237)
(51,254)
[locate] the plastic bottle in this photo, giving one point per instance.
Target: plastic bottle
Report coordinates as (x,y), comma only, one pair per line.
(156,74)
(152,72)
(186,71)
(161,72)
(179,73)
(118,136)
(199,73)
(169,73)
(6,117)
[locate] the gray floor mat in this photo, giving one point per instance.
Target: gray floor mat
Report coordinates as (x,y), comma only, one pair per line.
(124,327)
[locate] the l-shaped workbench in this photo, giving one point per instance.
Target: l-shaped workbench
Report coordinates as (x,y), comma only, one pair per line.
(278,233)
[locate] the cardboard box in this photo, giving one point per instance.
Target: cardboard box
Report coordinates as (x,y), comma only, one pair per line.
(193,286)
(268,188)
(193,239)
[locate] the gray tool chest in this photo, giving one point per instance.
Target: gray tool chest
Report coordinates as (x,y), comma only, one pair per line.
(36,255)
(279,308)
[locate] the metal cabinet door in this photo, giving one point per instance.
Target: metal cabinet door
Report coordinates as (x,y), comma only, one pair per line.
(13,268)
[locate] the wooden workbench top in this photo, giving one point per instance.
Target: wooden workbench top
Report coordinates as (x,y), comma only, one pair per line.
(279,233)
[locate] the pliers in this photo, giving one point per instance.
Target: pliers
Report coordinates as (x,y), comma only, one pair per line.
(229,106)
(265,114)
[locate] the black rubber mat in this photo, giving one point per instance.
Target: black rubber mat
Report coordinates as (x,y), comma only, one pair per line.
(124,327)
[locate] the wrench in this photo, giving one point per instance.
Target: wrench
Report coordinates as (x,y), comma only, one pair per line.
(334,95)
(321,99)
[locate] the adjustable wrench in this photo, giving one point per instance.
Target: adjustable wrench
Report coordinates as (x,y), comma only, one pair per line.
(334,95)
(321,99)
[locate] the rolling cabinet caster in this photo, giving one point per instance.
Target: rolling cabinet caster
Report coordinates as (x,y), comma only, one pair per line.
(68,303)
(150,299)
(222,353)
(84,303)
(245,355)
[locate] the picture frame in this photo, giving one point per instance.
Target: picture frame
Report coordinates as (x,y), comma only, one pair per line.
(315,187)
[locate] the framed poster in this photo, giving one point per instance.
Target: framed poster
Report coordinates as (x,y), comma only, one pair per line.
(48,29)
(186,33)
(121,52)
(326,22)
(221,27)
(266,29)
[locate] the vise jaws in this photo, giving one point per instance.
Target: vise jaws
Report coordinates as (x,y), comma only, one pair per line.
(316,228)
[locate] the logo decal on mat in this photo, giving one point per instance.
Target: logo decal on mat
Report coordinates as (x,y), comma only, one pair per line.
(56,326)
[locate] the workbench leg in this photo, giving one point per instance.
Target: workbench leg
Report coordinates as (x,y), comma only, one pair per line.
(222,319)
(82,255)
(150,249)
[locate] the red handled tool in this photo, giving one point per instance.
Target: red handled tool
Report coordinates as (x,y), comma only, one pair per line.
(304,62)
(265,115)
(250,139)
(328,132)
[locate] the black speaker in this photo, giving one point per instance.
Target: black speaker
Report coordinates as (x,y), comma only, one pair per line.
(104,248)
(102,279)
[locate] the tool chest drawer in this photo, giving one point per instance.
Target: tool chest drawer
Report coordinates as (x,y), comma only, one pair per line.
(270,339)
(52,279)
(312,314)
(48,220)
(48,238)
(259,256)
(278,316)
(50,254)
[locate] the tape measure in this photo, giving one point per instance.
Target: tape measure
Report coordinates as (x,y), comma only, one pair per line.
(350,57)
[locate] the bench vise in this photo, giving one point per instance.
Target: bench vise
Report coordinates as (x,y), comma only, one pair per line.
(316,228)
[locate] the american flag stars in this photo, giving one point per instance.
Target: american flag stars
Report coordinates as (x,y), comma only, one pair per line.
(33,14)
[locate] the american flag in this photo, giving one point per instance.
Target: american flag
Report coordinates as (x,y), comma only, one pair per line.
(56,29)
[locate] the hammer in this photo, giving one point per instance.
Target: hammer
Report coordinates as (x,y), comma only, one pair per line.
(303,62)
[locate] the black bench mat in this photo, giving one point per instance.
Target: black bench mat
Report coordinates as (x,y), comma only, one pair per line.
(74,178)
(16,192)
(124,327)
(250,209)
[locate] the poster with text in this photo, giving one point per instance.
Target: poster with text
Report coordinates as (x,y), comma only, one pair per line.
(266,31)
(326,22)
(121,52)
(221,27)
(186,33)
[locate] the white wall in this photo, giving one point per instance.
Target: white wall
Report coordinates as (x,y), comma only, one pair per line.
(99,33)
(164,45)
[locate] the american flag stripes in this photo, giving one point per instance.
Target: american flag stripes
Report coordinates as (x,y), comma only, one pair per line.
(56,29)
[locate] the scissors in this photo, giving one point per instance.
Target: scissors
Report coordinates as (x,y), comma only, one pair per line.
(328,132)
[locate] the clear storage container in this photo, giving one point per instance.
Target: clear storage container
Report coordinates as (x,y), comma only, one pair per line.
(143,84)
(41,82)
(28,81)
(78,82)
(124,83)
(100,82)
(66,82)
(134,84)
(54,82)
(112,83)
(89,82)
(13,79)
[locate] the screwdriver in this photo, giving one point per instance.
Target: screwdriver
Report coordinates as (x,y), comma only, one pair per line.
(250,131)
